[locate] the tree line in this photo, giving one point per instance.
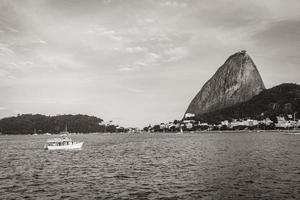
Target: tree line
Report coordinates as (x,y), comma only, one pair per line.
(37,123)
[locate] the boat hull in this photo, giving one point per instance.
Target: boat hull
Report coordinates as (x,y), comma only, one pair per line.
(76,146)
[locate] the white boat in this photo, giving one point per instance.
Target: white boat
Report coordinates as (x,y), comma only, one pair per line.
(63,143)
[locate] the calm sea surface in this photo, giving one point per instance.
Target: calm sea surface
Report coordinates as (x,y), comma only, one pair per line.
(153,166)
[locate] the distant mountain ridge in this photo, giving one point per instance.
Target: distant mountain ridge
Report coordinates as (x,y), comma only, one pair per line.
(283,99)
(236,81)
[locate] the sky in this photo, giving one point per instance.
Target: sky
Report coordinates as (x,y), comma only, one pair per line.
(136,62)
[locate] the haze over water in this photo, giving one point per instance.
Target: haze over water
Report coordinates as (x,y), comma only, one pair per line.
(153,166)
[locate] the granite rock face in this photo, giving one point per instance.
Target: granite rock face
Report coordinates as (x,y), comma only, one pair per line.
(236,81)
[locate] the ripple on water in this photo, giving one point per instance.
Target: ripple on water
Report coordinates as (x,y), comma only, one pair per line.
(156,166)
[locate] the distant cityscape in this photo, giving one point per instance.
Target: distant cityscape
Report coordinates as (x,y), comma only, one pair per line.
(190,124)
(39,124)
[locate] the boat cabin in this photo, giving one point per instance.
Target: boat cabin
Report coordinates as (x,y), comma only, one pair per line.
(59,141)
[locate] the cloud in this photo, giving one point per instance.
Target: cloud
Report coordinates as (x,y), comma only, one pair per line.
(3,108)
(42,42)
(3,73)
(135,49)
(86,48)
(21,65)
(137,66)
(100,31)
(152,57)
(176,54)
(55,100)
(134,90)
(126,68)
(149,20)
(5,50)
(174,4)
(279,34)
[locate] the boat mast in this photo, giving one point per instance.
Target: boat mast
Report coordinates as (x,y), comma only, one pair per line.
(295,124)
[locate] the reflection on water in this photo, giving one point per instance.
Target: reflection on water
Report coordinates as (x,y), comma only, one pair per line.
(153,166)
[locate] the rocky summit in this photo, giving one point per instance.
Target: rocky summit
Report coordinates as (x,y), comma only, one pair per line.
(236,81)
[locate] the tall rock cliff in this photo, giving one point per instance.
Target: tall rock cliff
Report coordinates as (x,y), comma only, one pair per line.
(236,81)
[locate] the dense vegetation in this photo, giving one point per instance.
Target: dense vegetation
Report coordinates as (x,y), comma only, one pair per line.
(283,99)
(28,124)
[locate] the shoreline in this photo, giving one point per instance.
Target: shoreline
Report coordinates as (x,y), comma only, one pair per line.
(179,133)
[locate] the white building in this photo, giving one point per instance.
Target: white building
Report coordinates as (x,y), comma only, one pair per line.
(203,124)
(266,121)
(189,115)
(162,126)
(282,123)
(225,123)
(189,125)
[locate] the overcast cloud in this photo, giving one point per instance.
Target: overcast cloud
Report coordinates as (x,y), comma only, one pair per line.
(135,61)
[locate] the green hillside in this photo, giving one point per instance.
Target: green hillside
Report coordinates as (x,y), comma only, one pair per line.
(27,123)
(283,99)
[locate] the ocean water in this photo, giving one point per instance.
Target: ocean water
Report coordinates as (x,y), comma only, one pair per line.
(153,166)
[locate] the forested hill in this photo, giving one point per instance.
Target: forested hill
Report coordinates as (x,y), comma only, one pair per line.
(27,123)
(283,99)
